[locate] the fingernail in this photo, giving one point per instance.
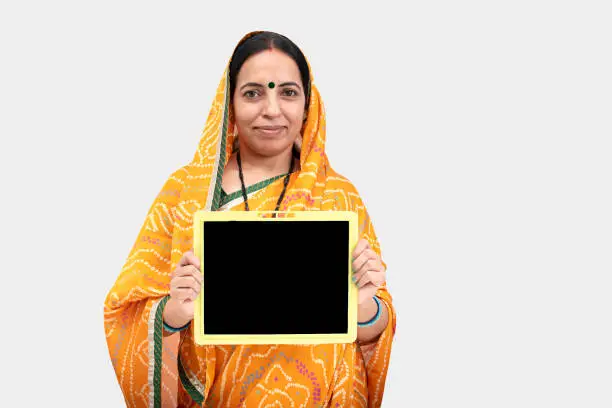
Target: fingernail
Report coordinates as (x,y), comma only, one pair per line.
(354,279)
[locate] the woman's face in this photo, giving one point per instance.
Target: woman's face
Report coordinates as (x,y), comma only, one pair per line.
(269,119)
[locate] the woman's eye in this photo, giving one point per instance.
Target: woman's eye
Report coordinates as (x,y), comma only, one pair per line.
(251,94)
(289,92)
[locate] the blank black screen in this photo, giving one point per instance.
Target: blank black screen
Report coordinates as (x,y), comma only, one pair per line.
(275,277)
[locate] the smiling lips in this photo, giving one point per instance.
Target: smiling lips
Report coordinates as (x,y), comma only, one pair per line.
(270,130)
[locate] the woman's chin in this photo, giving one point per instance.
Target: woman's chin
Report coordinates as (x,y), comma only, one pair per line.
(271,147)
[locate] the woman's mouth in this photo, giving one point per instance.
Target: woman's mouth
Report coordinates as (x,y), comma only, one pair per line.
(270,130)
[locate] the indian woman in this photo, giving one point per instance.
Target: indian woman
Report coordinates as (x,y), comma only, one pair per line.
(262,149)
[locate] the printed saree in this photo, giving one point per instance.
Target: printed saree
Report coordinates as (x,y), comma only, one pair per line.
(148,363)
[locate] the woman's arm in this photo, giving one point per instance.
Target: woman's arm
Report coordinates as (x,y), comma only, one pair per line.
(366,312)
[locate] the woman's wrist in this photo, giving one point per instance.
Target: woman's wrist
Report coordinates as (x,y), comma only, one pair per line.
(373,316)
(171,329)
(377,314)
(366,310)
(170,318)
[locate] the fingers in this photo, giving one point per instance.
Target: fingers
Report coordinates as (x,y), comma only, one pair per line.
(375,278)
(370,271)
(363,279)
(184,294)
(189,258)
(186,283)
(368,255)
(360,247)
(184,288)
(188,270)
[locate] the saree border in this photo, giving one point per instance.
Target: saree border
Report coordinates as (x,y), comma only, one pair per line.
(212,204)
(190,383)
(250,189)
(155,352)
(221,153)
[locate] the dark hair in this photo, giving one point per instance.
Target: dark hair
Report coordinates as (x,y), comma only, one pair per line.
(262,41)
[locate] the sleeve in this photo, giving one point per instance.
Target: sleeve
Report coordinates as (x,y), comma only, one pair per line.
(376,354)
(138,296)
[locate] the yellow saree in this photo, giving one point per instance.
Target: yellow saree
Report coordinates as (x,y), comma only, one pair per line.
(336,375)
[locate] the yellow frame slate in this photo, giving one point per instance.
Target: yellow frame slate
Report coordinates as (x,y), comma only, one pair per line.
(198,228)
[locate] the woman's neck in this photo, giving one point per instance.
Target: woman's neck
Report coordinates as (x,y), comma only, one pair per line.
(265,165)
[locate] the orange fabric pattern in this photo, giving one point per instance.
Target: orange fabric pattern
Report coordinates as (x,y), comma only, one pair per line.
(336,375)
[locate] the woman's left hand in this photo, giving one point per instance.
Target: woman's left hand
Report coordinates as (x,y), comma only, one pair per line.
(368,271)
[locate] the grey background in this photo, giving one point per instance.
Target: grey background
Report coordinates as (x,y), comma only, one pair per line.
(478,134)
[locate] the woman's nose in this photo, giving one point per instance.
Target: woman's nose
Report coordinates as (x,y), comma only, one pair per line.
(272,107)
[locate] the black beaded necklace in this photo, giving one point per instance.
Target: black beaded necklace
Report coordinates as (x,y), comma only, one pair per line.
(244,193)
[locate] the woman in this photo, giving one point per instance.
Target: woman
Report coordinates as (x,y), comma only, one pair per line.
(263,148)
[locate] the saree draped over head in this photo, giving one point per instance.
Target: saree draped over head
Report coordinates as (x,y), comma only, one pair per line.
(336,375)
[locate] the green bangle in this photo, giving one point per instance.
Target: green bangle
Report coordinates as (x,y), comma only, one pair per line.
(376,316)
(171,329)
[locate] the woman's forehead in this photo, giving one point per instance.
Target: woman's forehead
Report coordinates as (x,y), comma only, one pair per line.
(269,65)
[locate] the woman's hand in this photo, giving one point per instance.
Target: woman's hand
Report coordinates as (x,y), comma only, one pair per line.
(368,271)
(369,274)
(185,285)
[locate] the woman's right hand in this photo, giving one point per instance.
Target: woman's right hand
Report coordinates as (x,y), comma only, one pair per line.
(185,285)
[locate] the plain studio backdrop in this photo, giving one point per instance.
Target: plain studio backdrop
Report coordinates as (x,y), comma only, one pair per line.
(478,133)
